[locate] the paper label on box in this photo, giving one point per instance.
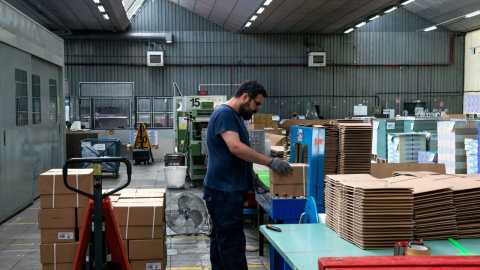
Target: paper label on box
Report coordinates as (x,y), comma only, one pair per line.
(300,135)
(452,126)
(412,125)
(99,146)
(275,118)
(390,125)
(375,124)
(432,157)
(65,235)
(154,266)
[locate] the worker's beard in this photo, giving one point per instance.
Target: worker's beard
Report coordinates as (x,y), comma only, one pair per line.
(244,111)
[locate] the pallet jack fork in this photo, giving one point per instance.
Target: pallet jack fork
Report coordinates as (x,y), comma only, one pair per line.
(102,249)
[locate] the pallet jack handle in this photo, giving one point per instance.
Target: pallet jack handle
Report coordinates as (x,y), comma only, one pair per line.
(97,160)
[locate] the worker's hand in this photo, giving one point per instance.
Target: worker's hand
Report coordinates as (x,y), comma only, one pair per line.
(280,166)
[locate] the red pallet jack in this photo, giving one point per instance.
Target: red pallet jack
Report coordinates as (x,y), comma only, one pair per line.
(103,249)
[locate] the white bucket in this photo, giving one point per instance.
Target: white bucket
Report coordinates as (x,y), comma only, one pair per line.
(175,176)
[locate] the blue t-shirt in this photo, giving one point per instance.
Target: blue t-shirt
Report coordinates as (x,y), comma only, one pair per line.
(227,172)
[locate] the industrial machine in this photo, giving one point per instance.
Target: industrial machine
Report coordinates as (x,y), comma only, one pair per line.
(142,148)
(193,115)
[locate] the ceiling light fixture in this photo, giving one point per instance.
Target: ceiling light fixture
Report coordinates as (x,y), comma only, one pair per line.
(96,1)
(430,28)
(473,14)
(105,16)
(349,30)
(360,24)
(248,24)
(101,8)
(267,2)
(254,17)
(374,17)
(407,2)
(390,10)
(260,10)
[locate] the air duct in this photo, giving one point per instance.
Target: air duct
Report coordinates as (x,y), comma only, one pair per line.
(167,37)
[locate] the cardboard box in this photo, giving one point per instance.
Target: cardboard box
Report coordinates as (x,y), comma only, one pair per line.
(142,232)
(256,126)
(292,189)
(151,190)
(148,264)
(453,116)
(58,266)
(56,218)
(125,246)
(62,235)
(384,170)
(81,213)
(298,176)
(276,140)
(146,249)
(62,252)
(139,214)
(63,201)
(51,182)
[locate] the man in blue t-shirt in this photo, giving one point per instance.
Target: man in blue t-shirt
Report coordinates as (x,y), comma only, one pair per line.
(230,174)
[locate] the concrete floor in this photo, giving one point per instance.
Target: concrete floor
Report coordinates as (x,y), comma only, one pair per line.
(20,237)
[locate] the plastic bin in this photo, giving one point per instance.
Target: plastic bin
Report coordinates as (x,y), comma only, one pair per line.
(175,176)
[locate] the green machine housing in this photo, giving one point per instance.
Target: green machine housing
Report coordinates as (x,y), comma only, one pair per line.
(189,134)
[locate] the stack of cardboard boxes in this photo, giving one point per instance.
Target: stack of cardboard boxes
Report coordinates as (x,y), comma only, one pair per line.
(57,216)
(261,121)
(140,216)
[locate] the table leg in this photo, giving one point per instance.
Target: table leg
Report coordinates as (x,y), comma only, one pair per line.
(260,235)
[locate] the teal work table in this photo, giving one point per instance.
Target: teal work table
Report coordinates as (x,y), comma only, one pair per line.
(301,245)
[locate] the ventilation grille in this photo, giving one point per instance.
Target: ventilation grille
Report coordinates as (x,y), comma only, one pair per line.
(155,59)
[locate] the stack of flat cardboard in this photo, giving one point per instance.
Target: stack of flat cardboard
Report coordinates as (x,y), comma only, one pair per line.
(466,191)
(355,148)
(369,212)
(286,147)
(277,151)
(331,148)
(434,211)
(293,184)
(59,230)
(140,216)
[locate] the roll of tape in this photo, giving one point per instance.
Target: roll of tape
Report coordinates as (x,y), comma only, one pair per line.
(417,250)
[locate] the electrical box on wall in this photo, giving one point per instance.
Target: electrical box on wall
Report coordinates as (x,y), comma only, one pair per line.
(317,59)
(155,59)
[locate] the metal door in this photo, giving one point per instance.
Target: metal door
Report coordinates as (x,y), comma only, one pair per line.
(3,186)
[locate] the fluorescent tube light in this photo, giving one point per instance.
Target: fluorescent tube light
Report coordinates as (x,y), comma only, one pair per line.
(473,14)
(374,17)
(407,2)
(248,24)
(105,16)
(254,17)
(267,2)
(349,30)
(360,24)
(390,10)
(101,8)
(260,10)
(96,1)
(430,28)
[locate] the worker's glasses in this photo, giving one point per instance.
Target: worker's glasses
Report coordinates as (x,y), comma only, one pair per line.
(258,104)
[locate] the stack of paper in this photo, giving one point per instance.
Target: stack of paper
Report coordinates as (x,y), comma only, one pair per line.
(451,144)
(404,147)
(277,151)
(471,150)
(331,148)
(355,148)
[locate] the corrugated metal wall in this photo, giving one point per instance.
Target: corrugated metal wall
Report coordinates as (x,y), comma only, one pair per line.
(205,53)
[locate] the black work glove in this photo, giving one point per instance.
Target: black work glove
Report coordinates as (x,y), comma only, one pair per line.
(280,166)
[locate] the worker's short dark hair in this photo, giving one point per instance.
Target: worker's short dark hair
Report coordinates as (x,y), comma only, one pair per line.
(252,88)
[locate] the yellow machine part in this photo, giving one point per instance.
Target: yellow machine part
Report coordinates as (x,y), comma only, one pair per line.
(142,134)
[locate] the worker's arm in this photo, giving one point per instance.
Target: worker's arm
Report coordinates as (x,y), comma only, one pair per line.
(242,150)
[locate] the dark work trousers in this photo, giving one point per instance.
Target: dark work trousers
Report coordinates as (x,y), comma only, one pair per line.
(227,242)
